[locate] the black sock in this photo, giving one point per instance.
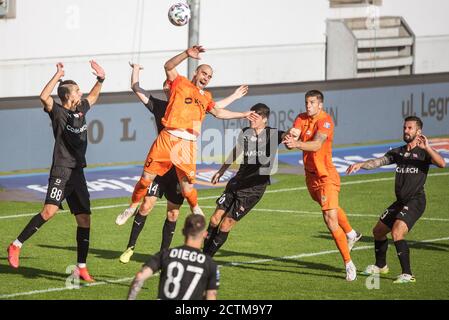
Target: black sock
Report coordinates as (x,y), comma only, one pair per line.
(216,243)
(82,240)
(211,232)
(167,233)
(35,223)
(380,249)
(139,222)
(403,255)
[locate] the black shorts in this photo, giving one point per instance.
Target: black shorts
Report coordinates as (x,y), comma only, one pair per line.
(168,186)
(409,213)
(69,184)
(237,202)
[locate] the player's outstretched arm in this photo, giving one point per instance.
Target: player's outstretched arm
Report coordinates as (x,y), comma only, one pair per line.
(233,155)
(237,94)
(170,65)
(368,165)
(94,93)
(138,282)
(437,159)
(140,93)
(45,96)
(226,114)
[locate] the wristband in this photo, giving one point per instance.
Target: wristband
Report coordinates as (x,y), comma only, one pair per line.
(100,79)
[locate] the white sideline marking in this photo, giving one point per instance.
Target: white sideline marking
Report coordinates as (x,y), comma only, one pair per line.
(268,191)
(302,255)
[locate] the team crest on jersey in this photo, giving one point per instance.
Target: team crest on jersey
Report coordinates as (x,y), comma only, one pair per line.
(407,154)
(327,125)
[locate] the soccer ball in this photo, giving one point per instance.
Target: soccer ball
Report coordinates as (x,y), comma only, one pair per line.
(179,14)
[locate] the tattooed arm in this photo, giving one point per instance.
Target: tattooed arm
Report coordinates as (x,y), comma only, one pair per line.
(368,165)
(138,281)
(313,145)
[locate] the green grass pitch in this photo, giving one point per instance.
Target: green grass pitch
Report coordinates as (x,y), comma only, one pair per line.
(281,250)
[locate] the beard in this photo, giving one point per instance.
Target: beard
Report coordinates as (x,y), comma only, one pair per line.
(408,138)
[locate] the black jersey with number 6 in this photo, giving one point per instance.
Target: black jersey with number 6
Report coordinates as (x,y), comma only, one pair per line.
(70,132)
(186,273)
(411,171)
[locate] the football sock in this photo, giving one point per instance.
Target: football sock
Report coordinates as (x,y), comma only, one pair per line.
(216,243)
(211,232)
(403,255)
(35,223)
(167,233)
(82,240)
(342,244)
(343,221)
(140,190)
(380,250)
(139,222)
(191,197)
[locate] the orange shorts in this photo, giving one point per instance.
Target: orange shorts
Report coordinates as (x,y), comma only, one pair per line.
(324,190)
(168,151)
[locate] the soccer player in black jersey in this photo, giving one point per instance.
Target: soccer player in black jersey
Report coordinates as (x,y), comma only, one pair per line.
(413,161)
(186,272)
(66,179)
(166,185)
(259,144)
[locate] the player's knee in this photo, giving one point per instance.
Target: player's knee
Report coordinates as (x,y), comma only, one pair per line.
(145,182)
(216,217)
(227,224)
(48,213)
(172,215)
(83,220)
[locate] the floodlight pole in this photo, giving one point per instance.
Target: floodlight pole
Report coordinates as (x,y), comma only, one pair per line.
(194,32)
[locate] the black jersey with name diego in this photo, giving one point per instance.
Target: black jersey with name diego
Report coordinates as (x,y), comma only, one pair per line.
(186,273)
(411,171)
(70,132)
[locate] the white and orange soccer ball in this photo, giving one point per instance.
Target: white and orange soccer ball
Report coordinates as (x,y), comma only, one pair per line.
(179,14)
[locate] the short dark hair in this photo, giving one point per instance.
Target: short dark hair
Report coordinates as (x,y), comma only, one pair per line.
(416,119)
(315,93)
(194,225)
(64,89)
(261,109)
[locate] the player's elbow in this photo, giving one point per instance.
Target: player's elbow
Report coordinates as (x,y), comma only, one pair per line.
(442,164)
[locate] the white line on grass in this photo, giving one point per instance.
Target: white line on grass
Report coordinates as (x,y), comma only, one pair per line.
(268,191)
(233,264)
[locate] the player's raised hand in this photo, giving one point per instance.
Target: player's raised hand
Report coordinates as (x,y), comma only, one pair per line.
(98,70)
(251,116)
(60,69)
(354,168)
(194,52)
(135,66)
(423,142)
(216,177)
(240,91)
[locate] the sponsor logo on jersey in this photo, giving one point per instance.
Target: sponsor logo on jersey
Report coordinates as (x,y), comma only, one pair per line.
(76,130)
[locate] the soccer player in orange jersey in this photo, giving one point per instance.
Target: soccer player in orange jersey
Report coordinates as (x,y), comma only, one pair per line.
(176,143)
(313,132)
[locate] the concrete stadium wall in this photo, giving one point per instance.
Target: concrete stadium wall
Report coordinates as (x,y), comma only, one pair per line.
(120,129)
(251,41)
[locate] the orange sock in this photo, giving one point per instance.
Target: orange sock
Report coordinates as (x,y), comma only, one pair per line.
(343,221)
(342,244)
(191,197)
(140,190)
